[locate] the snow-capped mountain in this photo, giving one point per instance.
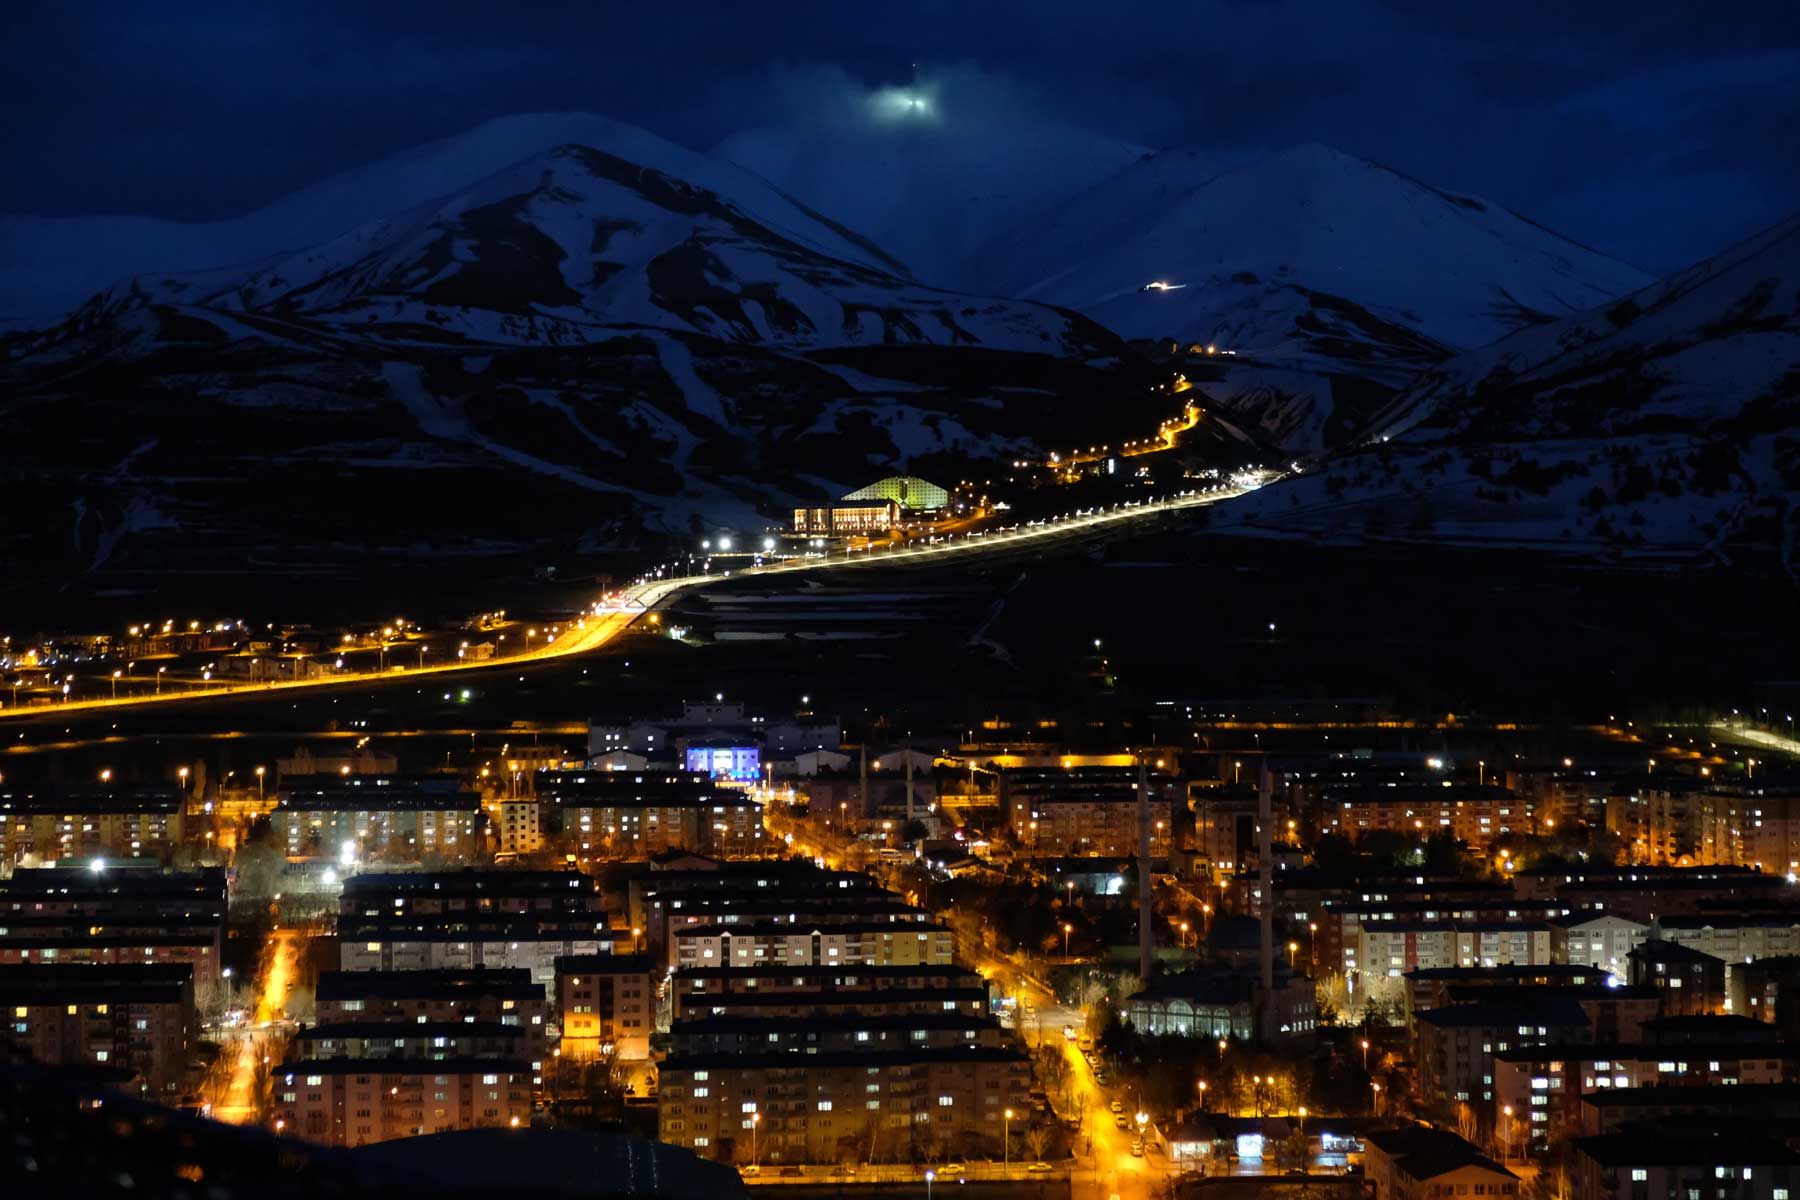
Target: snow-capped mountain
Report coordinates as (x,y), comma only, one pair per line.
(50,265)
(1667,421)
(555,359)
(1318,271)
(573,244)
(929,187)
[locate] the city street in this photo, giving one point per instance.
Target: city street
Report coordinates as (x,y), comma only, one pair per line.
(1115,1171)
(260,1033)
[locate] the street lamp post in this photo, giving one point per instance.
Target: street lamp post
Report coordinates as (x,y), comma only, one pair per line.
(930,1178)
(1006,1142)
(260,772)
(1375,1105)
(115,685)
(755,1124)
(1312,948)
(159,675)
(1067,929)
(1365,1050)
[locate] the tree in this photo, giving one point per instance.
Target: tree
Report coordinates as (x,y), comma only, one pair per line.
(1037,1139)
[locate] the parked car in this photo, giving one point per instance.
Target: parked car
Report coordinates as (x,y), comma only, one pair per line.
(1116,1106)
(1038,1168)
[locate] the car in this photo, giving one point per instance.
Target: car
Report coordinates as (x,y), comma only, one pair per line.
(952,1169)
(791,1171)
(1122,1121)
(1299,1172)
(1038,1168)
(1069,1032)
(1116,1106)
(1137,1149)
(750,1169)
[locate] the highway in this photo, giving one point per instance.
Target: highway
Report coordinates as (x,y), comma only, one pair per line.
(592,630)
(603,623)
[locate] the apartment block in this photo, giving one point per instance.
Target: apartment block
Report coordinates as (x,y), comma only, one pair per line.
(827,991)
(606,1000)
(418,998)
(102,821)
(608,815)
(1082,811)
(782,944)
(379,818)
(138,1018)
(352,1102)
(815,1108)
(117,915)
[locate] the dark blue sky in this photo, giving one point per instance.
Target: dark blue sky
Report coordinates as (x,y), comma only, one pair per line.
(1658,132)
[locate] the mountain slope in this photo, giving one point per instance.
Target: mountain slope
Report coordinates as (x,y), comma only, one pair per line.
(50,265)
(575,355)
(1667,422)
(1310,266)
(575,243)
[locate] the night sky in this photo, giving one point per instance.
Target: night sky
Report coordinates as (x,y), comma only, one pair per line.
(1657,132)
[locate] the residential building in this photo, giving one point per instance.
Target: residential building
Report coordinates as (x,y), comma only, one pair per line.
(138,1018)
(780,944)
(1058,812)
(119,915)
(1454,1047)
(1684,1160)
(101,821)
(379,819)
(1471,813)
(607,815)
(1690,982)
(606,1001)
(423,997)
(456,920)
(1420,1163)
(827,991)
(1596,938)
(352,1102)
(1543,1085)
(816,1108)
(1614,1109)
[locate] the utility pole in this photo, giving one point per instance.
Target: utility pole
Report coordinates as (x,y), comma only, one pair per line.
(1143,790)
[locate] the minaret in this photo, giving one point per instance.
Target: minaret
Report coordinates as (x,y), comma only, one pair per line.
(1265,852)
(906,749)
(1144,927)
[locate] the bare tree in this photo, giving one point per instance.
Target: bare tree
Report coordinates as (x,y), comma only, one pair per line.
(1037,1140)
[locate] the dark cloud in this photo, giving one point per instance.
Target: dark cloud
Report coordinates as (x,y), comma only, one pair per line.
(1655,132)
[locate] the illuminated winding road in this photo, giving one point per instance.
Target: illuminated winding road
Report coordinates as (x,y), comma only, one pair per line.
(601,625)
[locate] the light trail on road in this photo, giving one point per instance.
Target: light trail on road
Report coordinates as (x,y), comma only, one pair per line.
(599,627)
(238,1105)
